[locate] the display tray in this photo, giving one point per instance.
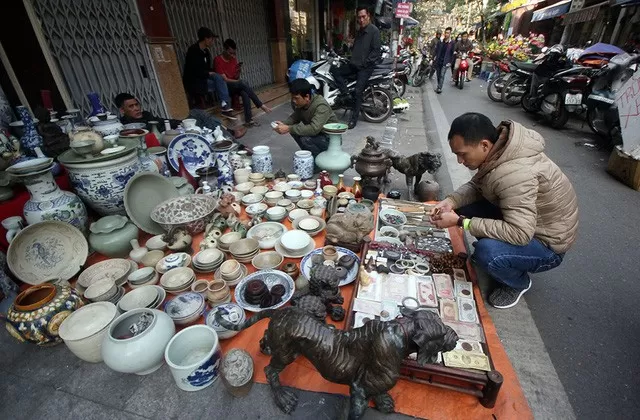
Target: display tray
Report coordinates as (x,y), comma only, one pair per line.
(484,385)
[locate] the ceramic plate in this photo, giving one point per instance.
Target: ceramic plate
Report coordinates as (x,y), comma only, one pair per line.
(271,278)
(184,305)
(144,192)
(47,250)
(287,254)
(305,265)
(114,269)
(312,233)
(267,233)
(194,150)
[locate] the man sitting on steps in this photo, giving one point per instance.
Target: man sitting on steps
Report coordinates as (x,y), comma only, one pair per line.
(519,204)
(305,124)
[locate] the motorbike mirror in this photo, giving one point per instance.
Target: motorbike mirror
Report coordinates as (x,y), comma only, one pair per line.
(544,49)
(634,67)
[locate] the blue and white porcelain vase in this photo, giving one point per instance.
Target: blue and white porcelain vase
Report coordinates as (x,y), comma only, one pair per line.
(261,160)
(225,170)
(96,105)
(31,139)
(303,164)
(49,202)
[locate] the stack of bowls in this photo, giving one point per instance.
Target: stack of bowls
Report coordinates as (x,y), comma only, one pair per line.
(293,195)
(310,184)
(305,204)
(148,296)
(282,187)
(295,243)
(276,214)
(267,260)
(287,204)
(272,198)
(249,199)
(218,292)
(185,308)
(241,175)
(104,290)
(329,191)
(297,213)
(143,277)
(306,194)
(228,239)
(177,280)
(259,189)
(257,209)
(245,249)
(231,272)
(208,261)
(258,179)
(245,187)
(310,224)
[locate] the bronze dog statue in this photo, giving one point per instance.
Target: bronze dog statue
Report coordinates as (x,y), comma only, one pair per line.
(367,358)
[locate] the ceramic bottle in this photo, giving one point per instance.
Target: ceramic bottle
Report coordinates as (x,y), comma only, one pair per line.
(334,159)
(325,179)
(30,139)
(261,160)
(340,185)
(357,188)
(153,128)
(49,202)
(137,252)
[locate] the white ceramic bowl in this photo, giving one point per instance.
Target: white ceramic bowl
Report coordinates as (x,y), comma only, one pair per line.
(384,214)
(245,187)
(309,224)
(257,208)
(276,213)
(267,260)
(306,194)
(156,242)
(293,195)
(138,298)
(252,199)
(177,278)
(260,190)
(281,187)
(141,275)
(295,240)
(84,330)
(294,214)
(101,290)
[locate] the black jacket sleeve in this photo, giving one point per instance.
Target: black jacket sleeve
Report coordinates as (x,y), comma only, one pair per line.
(374,50)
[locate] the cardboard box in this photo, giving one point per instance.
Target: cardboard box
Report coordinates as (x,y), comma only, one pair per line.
(625,168)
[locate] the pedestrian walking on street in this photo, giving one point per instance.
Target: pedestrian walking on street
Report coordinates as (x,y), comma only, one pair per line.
(519,205)
(433,44)
(443,57)
(365,55)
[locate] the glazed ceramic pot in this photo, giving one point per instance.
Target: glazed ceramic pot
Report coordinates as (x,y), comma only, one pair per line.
(428,191)
(36,313)
(30,139)
(49,202)
(101,184)
(303,164)
(83,331)
(109,127)
(237,372)
(136,341)
(261,160)
(82,133)
(111,235)
(334,160)
(193,356)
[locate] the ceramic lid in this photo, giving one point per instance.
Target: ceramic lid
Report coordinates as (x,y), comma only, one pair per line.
(108,224)
(72,157)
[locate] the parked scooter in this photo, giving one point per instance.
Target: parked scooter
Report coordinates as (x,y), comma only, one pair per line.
(496,84)
(377,102)
(602,111)
(425,70)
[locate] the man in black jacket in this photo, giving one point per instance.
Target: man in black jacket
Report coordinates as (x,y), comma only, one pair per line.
(199,77)
(365,55)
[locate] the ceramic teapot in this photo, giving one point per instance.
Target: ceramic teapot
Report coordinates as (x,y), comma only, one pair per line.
(13,226)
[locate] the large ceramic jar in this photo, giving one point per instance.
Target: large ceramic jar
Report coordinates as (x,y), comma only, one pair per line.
(334,160)
(261,160)
(136,341)
(109,127)
(30,139)
(49,202)
(112,235)
(101,182)
(37,313)
(303,164)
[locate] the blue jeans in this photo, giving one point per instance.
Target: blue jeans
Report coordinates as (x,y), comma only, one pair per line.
(506,263)
(216,84)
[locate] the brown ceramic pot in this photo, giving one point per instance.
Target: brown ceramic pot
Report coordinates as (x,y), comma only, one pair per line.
(35,297)
(428,191)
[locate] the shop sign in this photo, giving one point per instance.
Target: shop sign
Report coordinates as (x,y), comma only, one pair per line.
(403,10)
(515,4)
(628,102)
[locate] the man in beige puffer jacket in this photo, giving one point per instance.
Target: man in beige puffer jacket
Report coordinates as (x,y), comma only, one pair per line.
(519,204)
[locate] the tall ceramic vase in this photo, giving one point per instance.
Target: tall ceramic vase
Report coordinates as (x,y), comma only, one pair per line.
(96,105)
(334,160)
(223,163)
(30,139)
(303,164)
(261,160)
(49,202)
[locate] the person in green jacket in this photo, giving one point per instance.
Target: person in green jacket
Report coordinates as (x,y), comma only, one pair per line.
(305,124)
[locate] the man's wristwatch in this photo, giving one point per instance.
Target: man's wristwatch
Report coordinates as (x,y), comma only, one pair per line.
(461,220)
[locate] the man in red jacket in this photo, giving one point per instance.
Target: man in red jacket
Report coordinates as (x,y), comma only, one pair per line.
(227,66)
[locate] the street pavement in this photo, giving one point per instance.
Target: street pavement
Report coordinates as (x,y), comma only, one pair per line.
(585,310)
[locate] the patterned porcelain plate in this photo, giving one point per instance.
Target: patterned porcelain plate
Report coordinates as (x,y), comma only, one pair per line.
(271,278)
(47,250)
(115,269)
(184,305)
(194,150)
(305,265)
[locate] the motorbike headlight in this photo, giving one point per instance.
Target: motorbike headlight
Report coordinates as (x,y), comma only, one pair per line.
(323,56)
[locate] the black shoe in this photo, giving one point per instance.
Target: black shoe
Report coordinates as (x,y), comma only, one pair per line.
(438,91)
(507,297)
(352,124)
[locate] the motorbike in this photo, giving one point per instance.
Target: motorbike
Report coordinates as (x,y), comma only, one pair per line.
(504,71)
(602,111)
(462,73)
(425,70)
(518,83)
(377,101)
